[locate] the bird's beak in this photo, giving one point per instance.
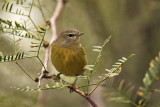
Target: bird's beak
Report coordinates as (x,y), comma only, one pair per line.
(80,33)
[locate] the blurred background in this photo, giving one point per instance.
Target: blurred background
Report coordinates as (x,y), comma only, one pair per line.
(133,24)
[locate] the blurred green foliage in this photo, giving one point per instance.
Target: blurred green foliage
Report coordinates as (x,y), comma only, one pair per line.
(133,24)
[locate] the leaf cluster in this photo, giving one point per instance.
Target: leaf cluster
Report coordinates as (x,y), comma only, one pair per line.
(8,58)
(119,92)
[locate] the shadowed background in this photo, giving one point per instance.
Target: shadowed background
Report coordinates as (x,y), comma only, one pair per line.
(133,24)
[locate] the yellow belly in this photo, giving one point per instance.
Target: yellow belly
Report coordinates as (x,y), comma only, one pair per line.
(68,62)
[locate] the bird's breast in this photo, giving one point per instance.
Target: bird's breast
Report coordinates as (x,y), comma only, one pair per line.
(68,61)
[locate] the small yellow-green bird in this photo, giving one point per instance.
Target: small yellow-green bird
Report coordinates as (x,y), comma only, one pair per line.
(67,54)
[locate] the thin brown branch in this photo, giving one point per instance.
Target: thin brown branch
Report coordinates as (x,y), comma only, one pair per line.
(95,88)
(53,21)
(83,94)
(91,101)
(99,83)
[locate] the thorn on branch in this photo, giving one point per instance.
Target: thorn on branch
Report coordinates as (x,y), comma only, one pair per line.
(36,79)
(45,71)
(48,23)
(45,44)
(47,76)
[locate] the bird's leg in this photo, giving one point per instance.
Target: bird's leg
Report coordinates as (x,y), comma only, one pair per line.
(58,75)
(75,80)
(73,85)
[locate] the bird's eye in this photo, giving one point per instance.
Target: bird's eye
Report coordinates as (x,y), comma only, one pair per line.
(70,35)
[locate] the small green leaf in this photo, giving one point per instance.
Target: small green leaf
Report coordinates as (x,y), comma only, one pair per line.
(113,74)
(124,58)
(28,87)
(11,7)
(19,56)
(118,63)
(12,58)
(26,34)
(32,51)
(20,12)
(21,2)
(147,80)
(107,70)
(88,68)
(32,90)
(39,90)
(17,2)
(115,65)
(47,86)
(17,11)
(22,89)
(43,29)
(5,58)
(8,57)
(90,65)
(119,99)
(27,90)
(152,73)
(121,60)
(17,24)
(7,6)
(57,84)
(99,47)
(96,50)
(3,5)
(16,56)
(142,89)
(22,54)
(17,88)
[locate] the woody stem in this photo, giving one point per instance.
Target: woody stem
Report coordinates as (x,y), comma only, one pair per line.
(83,94)
(53,21)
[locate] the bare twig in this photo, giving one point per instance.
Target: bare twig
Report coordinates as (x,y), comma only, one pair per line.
(24,70)
(40,7)
(83,94)
(97,86)
(53,21)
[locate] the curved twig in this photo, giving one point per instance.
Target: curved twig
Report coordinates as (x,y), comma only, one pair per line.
(53,21)
(83,94)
